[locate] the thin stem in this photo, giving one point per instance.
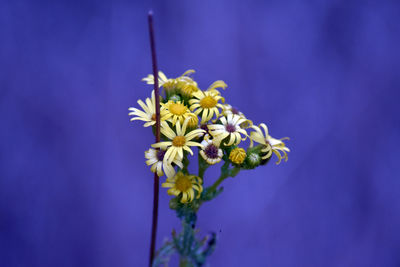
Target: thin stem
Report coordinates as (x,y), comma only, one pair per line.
(225,173)
(202,166)
(157,103)
(218,182)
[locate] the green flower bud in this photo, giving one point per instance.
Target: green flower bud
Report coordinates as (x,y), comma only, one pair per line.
(174,98)
(253,159)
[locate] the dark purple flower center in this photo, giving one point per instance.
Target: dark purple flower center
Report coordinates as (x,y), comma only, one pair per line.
(211,151)
(160,155)
(205,128)
(230,128)
(235,111)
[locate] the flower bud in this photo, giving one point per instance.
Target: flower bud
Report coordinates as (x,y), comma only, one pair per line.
(253,159)
(174,98)
(237,155)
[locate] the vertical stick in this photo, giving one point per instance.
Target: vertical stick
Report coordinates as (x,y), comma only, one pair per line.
(157,103)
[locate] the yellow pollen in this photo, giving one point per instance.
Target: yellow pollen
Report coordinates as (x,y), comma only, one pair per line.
(177,108)
(208,102)
(183,183)
(179,141)
(153,117)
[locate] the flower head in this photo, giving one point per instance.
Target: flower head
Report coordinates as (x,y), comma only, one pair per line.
(149,111)
(176,111)
(155,158)
(270,144)
(183,84)
(237,155)
(228,109)
(180,140)
(185,185)
(211,152)
(230,127)
(205,103)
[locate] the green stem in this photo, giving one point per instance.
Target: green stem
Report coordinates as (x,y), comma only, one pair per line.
(218,182)
(185,162)
(184,262)
(202,166)
(225,173)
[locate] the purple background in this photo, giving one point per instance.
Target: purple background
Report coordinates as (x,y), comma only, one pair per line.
(74,188)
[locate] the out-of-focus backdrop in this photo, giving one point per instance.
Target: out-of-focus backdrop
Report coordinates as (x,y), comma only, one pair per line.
(74,188)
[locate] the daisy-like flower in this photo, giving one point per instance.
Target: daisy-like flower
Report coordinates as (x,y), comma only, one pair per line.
(206,103)
(270,144)
(155,159)
(180,140)
(162,79)
(176,111)
(185,185)
(184,82)
(211,152)
(228,109)
(149,111)
(187,86)
(230,127)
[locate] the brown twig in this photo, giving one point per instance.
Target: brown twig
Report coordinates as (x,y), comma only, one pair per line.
(157,103)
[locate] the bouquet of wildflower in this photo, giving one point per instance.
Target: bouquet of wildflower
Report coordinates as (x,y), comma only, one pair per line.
(189,118)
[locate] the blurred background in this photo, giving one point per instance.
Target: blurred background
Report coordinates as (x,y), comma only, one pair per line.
(74,187)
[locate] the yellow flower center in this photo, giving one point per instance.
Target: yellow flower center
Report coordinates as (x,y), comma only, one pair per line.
(177,108)
(208,102)
(237,155)
(183,183)
(179,141)
(153,117)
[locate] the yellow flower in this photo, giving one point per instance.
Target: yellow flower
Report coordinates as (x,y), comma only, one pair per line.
(149,111)
(237,155)
(184,83)
(187,86)
(228,109)
(230,127)
(176,111)
(162,79)
(270,144)
(179,141)
(211,152)
(217,84)
(155,158)
(185,185)
(205,103)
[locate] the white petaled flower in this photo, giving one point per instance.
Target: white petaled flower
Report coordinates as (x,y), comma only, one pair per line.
(229,128)
(211,152)
(155,158)
(184,82)
(149,111)
(228,109)
(162,79)
(271,145)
